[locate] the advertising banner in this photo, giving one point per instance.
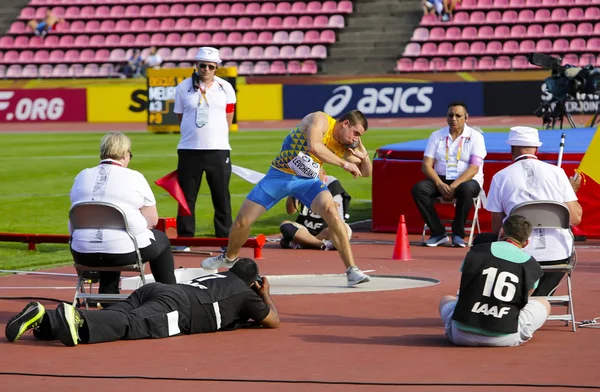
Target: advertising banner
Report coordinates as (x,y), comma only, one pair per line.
(382,100)
(161,96)
(110,103)
(33,105)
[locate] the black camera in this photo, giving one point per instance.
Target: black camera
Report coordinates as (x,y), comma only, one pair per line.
(259,279)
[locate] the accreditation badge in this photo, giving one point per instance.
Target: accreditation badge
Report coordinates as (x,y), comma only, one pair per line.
(202,114)
(451,170)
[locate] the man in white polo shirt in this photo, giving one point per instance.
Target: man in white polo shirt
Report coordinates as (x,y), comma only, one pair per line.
(453,165)
(529,179)
(204,104)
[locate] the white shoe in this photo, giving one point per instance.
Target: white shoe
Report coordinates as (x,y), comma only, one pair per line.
(216,262)
(180,248)
(327,245)
(356,276)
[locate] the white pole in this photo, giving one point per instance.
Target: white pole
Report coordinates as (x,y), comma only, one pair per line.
(561,149)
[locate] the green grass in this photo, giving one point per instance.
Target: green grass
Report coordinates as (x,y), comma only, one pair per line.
(37,172)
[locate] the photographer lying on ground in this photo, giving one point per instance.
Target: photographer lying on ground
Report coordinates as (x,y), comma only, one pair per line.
(217,302)
(310,230)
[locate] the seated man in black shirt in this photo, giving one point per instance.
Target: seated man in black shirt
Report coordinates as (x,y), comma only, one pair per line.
(493,306)
(310,230)
(221,301)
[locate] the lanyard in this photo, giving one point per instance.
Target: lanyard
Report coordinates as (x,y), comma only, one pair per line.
(110,162)
(525,156)
(203,92)
(462,139)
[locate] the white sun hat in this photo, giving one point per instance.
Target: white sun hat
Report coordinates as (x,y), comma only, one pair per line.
(208,54)
(523,137)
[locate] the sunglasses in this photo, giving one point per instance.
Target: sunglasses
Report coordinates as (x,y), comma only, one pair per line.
(209,66)
(130,154)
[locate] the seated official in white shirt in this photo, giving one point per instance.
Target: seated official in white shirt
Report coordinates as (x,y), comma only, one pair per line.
(529,179)
(111,181)
(453,165)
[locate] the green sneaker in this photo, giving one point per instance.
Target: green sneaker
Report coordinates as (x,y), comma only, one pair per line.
(70,321)
(30,317)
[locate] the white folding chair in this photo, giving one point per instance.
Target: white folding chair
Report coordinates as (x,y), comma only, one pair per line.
(548,214)
(471,224)
(98,215)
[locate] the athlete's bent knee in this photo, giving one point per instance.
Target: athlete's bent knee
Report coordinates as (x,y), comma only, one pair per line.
(288,230)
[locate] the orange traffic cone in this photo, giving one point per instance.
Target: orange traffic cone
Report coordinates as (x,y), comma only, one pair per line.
(402,245)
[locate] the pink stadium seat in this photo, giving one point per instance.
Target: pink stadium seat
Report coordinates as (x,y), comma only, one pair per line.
(592,13)
(228,23)
(255,53)
(575,14)
(168,65)
(191,54)
(219,39)
(477,47)
(252,9)
(207,9)
(592,44)
(305,21)
(437,64)
(122,25)
(520,62)
(97,40)
(245,68)
(81,40)
(287,52)
(190,38)
(586,59)
(526,16)
(11,56)
(173,39)
(17,27)
(51,41)
(77,26)
(316,52)
(107,26)
(445,49)
(493,17)
(234,38)
(132,10)
(158,39)
(198,24)
(164,53)
(117,55)
(437,33)
(265,37)
(271,52)
(421,65)
(543,45)
(277,68)
(162,10)
(542,15)
(551,30)
(567,2)
(535,30)
(335,21)
(142,39)
(290,22)
(557,15)
(102,55)
(461,48)
(180,53)
(182,24)
(105,70)
(92,26)
(90,12)
(518,31)
(329,7)
(510,47)
(30,71)
(40,13)
(250,37)
(274,22)
(138,25)
(549,2)
(72,12)
(429,48)
(485,4)
(501,32)
(71,56)
(493,47)
(6,41)
(299,7)
(533,3)
(190,10)
(309,67)
(313,37)
(66,41)
(152,25)
(459,18)
(577,45)
(501,3)
(284,8)
(570,58)
(86,55)
(453,64)
(412,49)
(420,34)
(259,23)
(509,16)
(45,71)
(428,20)
(404,65)
(503,63)
(76,70)
(244,23)
(167,24)
(21,41)
(567,29)
(41,56)
(203,39)
(213,24)
(27,13)
(527,46)
(117,11)
(485,63)
(294,67)
(60,71)
(453,33)
(345,7)
(268,8)
(484,32)
(281,37)
(584,29)
(296,37)
(261,68)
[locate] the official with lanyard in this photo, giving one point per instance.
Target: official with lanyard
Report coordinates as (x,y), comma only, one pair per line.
(453,167)
(205,104)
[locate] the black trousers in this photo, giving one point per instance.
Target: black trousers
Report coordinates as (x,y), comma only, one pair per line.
(547,283)
(192,164)
(158,254)
(424,192)
(143,315)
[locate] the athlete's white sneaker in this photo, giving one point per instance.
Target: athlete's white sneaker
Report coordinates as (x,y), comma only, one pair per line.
(327,245)
(216,262)
(356,276)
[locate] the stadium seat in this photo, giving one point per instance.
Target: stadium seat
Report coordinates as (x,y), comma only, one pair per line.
(587,58)
(461,48)
(453,33)
(245,68)
(453,64)
(309,67)
(420,34)
(477,48)
(445,49)
(583,29)
(45,71)
(271,52)
(428,48)
(240,53)
(265,37)
(527,46)
(535,30)
(60,71)
(560,45)
(250,38)
(501,32)
(518,31)
(437,64)
(509,47)
(277,68)
(294,67)
(261,68)
(503,63)
(486,63)
(421,65)
(575,14)
(577,45)
(484,32)
(404,65)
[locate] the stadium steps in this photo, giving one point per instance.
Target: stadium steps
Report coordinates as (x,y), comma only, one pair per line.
(375,34)
(9,12)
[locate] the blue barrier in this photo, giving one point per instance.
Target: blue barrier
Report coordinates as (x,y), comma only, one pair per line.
(382,100)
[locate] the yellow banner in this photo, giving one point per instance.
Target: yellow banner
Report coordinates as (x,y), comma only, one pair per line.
(259,102)
(117,103)
(590,164)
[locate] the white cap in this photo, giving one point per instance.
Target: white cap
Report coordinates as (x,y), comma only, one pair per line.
(523,137)
(208,54)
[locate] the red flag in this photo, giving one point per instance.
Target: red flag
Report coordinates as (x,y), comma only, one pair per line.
(171,185)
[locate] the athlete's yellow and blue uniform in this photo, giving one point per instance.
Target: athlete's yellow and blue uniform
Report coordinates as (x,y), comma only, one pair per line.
(281,181)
